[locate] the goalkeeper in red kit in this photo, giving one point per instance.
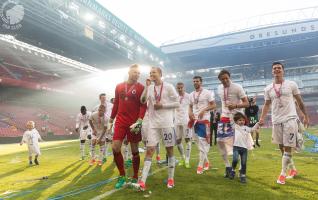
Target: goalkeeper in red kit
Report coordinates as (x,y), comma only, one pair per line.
(128,112)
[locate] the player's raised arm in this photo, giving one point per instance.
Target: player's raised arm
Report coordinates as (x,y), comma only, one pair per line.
(143,98)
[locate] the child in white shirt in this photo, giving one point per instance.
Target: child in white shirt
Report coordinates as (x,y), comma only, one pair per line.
(32,137)
(243,142)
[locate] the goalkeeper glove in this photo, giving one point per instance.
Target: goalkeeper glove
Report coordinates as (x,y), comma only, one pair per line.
(136,127)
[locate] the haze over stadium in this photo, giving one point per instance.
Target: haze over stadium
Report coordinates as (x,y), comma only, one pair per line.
(58,55)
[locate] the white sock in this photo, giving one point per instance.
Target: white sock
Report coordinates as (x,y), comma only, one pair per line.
(145,170)
(106,148)
(158,149)
(90,146)
(93,151)
(181,150)
(188,152)
(82,148)
(171,167)
(292,164)
(285,162)
(226,160)
(201,147)
(101,152)
(201,161)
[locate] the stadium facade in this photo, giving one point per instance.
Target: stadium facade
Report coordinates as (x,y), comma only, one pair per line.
(248,55)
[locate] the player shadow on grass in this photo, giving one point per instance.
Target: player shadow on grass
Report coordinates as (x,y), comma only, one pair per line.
(90,175)
(43,184)
(15,171)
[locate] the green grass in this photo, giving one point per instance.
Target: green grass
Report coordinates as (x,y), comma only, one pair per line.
(60,162)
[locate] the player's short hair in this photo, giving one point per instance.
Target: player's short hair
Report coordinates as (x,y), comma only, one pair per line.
(32,123)
(238,116)
(102,94)
(277,63)
(83,108)
(158,69)
(102,106)
(198,77)
(222,72)
(180,83)
(133,66)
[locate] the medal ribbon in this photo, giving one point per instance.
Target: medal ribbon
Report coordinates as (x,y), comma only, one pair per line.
(130,89)
(278,93)
(181,98)
(278,90)
(158,96)
(196,100)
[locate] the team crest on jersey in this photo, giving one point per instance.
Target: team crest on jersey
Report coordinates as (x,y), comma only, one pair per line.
(133,92)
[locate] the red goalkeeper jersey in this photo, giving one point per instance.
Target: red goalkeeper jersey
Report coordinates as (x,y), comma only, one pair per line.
(127,106)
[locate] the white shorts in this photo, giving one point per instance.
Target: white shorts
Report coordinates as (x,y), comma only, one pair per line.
(84,134)
(34,149)
(182,131)
(168,137)
(285,133)
(144,130)
(225,146)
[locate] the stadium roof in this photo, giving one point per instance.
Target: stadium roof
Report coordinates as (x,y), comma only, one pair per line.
(20,54)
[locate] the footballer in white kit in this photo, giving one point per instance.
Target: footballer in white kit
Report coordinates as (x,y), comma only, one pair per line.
(32,137)
(201,102)
(181,125)
(162,100)
(280,95)
(84,129)
(233,99)
(98,122)
(108,111)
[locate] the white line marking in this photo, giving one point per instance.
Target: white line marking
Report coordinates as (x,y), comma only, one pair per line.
(59,147)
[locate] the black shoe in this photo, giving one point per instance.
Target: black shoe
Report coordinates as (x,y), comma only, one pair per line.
(227,172)
(36,161)
(243,179)
(258,144)
(232,174)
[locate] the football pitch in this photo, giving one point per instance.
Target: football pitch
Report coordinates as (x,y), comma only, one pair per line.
(61,175)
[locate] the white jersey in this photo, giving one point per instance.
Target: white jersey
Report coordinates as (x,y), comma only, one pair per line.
(82,120)
(243,137)
(32,138)
(283,107)
(99,122)
(182,113)
(162,118)
(108,111)
(199,101)
(232,94)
